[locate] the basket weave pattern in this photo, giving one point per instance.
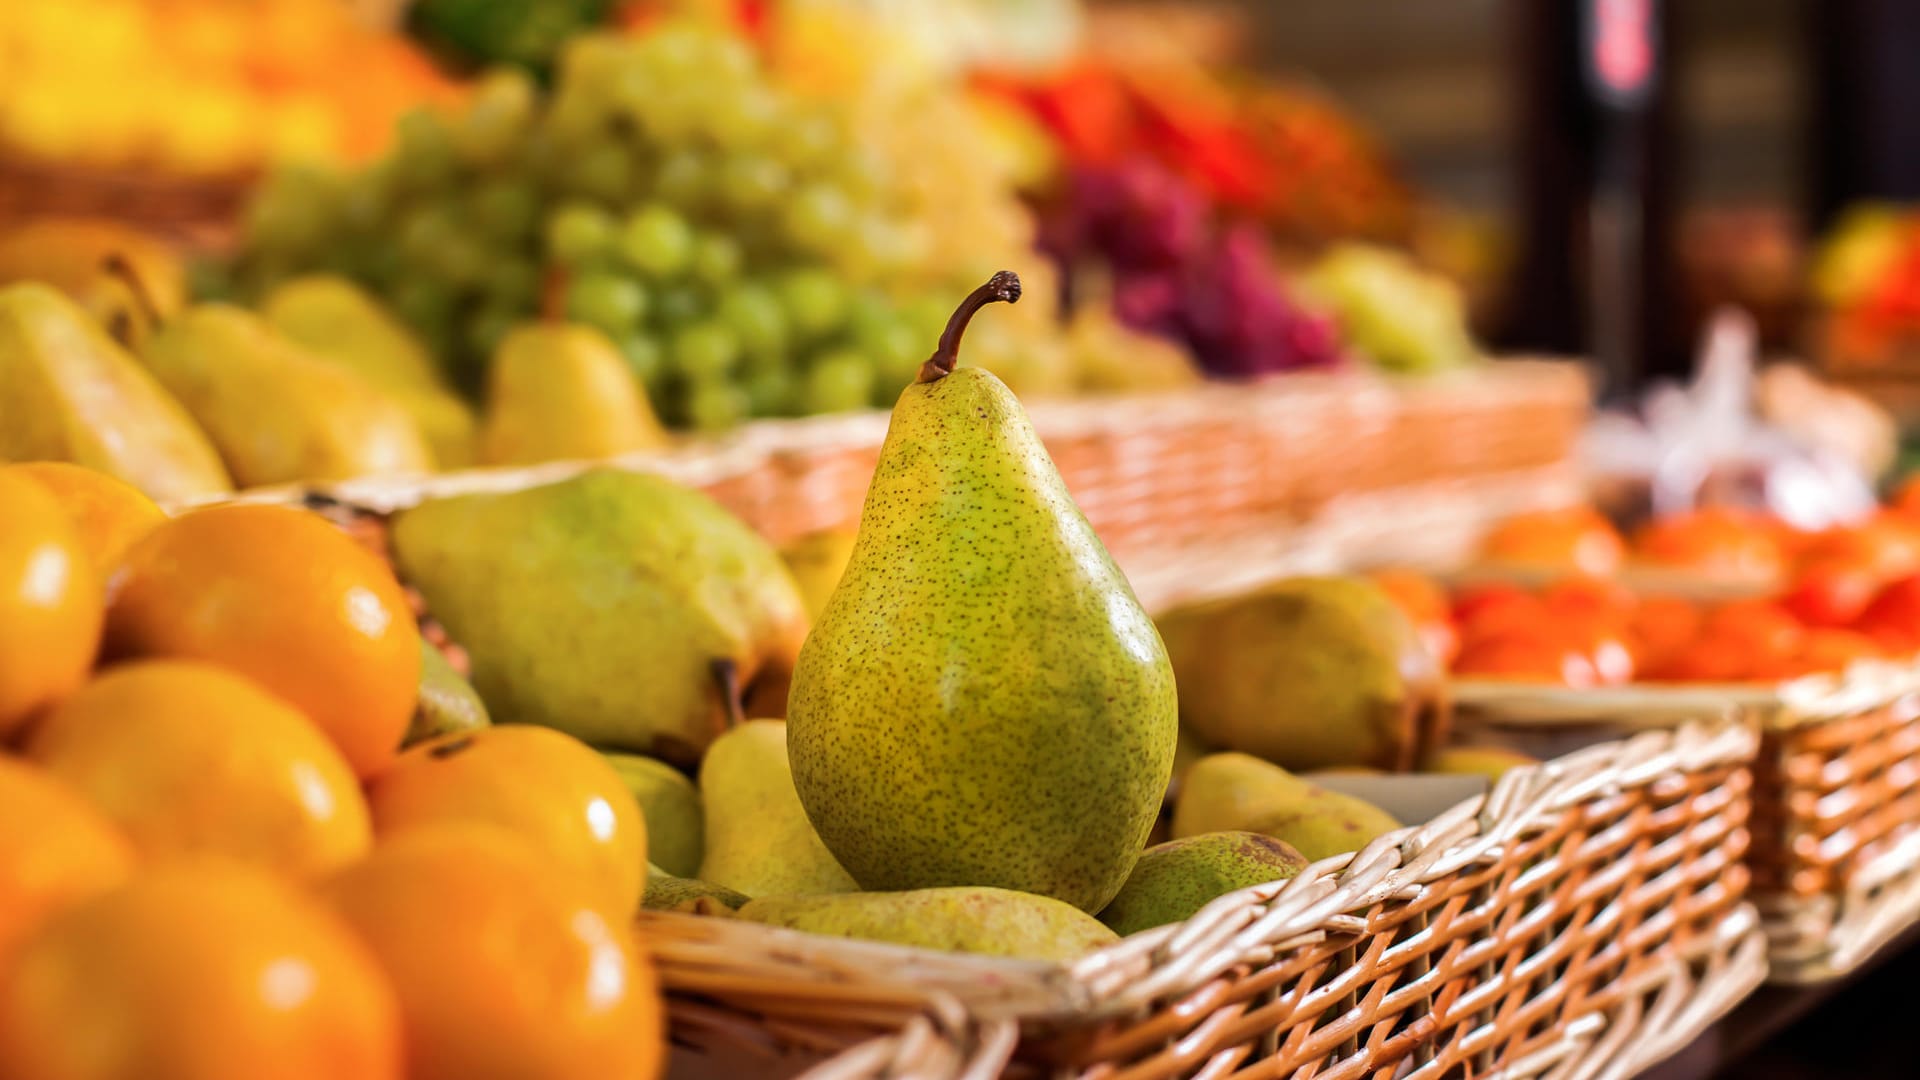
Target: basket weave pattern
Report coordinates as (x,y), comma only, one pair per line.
(1579,920)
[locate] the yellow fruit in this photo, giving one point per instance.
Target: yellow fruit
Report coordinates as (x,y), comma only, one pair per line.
(49,603)
(550,789)
(189,759)
(288,600)
(55,850)
(108,514)
(503,970)
(197,972)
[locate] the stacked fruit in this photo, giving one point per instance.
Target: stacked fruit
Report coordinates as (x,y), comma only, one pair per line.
(1867,276)
(223,86)
(219,852)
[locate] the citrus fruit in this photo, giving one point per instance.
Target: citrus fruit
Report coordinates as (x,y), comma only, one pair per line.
(1717,541)
(549,788)
(1576,538)
(207,970)
(1529,658)
(502,969)
(108,514)
(54,850)
(1830,592)
(188,758)
(288,600)
(1893,618)
(49,603)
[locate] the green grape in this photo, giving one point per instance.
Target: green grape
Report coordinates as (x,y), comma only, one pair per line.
(423,151)
(745,118)
(463,260)
(819,218)
(513,284)
(837,381)
(807,140)
(421,302)
(770,391)
(861,171)
(368,198)
(756,318)
(613,303)
(578,233)
(715,406)
(750,182)
(644,357)
(678,305)
(683,179)
(498,114)
(425,234)
(716,258)
(705,350)
(814,300)
(282,225)
(604,172)
(656,241)
(880,332)
(505,208)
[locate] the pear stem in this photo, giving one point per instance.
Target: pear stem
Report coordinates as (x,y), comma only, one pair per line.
(726,676)
(118,266)
(1003,286)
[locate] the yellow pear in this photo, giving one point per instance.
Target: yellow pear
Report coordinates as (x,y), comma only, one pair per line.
(559,391)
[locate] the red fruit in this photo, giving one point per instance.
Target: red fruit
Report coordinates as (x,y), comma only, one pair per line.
(1884,547)
(1893,618)
(1829,650)
(1831,593)
(1471,601)
(1532,658)
(1662,626)
(1707,660)
(1577,538)
(1716,540)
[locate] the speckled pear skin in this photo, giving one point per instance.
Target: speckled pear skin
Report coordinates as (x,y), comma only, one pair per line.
(983,701)
(597,605)
(1233,791)
(988,921)
(759,841)
(1174,880)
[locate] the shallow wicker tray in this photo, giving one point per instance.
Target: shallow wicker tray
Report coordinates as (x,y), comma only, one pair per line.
(1836,819)
(1585,918)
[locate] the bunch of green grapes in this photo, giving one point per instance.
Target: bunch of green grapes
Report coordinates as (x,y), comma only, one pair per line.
(739,243)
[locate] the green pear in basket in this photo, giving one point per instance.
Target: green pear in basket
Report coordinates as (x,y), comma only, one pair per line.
(447,703)
(759,841)
(1174,880)
(983,701)
(606,605)
(1492,762)
(1232,791)
(667,892)
(989,921)
(1311,673)
(676,822)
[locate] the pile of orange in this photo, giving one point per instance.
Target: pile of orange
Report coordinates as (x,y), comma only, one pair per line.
(218,861)
(1826,600)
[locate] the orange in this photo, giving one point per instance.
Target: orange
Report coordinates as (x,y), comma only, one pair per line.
(1577,538)
(1765,629)
(1529,658)
(107,513)
(1893,618)
(549,788)
(49,603)
(1662,626)
(1827,650)
(209,971)
(54,849)
(1501,616)
(291,602)
(1884,547)
(1590,599)
(1707,660)
(1830,592)
(503,971)
(190,759)
(1425,604)
(1716,540)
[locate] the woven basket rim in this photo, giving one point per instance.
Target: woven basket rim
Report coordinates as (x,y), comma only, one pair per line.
(1811,699)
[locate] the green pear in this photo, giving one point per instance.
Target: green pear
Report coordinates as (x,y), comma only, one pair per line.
(276,412)
(667,892)
(1492,762)
(561,392)
(604,605)
(447,704)
(676,824)
(69,392)
(817,561)
(985,920)
(759,840)
(1239,792)
(1309,672)
(983,701)
(339,322)
(1175,879)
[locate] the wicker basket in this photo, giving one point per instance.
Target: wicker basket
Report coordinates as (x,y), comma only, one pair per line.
(1836,820)
(1584,918)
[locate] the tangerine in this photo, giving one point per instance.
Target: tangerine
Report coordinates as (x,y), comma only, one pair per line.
(108,514)
(1577,538)
(56,850)
(1716,540)
(1830,592)
(212,971)
(1893,618)
(49,603)
(1529,658)
(502,970)
(288,600)
(547,787)
(188,758)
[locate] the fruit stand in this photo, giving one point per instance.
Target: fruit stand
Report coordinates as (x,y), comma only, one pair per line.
(813,538)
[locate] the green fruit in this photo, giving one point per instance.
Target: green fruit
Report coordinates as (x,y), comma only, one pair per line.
(983,702)
(992,922)
(1309,673)
(603,605)
(1492,762)
(1176,879)
(817,561)
(665,892)
(448,703)
(1238,792)
(561,392)
(676,823)
(759,840)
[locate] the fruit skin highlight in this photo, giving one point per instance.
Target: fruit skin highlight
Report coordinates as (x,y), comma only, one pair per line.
(49,603)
